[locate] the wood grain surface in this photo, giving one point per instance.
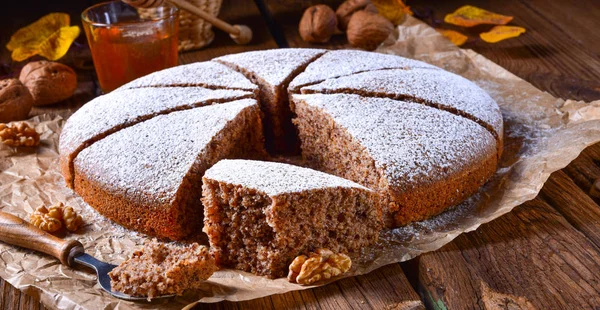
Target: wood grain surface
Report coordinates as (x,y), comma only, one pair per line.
(545,254)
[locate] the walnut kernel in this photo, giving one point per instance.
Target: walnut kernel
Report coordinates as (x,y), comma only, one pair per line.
(71,219)
(19,134)
(53,218)
(41,219)
(320,265)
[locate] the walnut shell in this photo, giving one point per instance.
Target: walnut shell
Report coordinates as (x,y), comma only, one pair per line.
(345,10)
(15,101)
(367,30)
(318,24)
(49,82)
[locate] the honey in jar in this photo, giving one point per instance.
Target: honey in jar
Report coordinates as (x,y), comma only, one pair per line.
(125,46)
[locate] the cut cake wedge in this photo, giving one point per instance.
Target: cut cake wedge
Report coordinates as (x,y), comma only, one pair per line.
(421,159)
(148,177)
(260,215)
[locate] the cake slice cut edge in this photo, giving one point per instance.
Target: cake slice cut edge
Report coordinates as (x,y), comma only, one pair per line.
(272,70)
(260,215)
(148,177)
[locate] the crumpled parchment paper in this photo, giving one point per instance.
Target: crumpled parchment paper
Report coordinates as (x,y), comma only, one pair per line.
(542,134)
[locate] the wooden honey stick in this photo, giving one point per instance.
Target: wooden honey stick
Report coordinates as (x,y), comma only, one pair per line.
(241,34)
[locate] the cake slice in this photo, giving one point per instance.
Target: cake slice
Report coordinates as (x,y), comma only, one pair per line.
(119,109)
(347,62)
(260,215)
(148,177)
(436,88)
(272,71)
(421,159)
(162,269)
(205,74)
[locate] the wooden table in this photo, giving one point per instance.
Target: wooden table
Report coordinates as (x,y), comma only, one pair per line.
(544,254)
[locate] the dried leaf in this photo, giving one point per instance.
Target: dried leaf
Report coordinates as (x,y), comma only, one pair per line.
(469,16)
(500,33)
(393,10)
(49,36)
(454,36)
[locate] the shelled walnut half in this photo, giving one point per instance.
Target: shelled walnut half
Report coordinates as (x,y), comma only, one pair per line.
(323,264)
(19,134)
(54,218)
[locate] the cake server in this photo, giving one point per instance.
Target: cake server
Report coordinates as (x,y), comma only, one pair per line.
(16,231)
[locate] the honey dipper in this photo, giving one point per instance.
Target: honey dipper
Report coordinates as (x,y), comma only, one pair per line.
(241,34)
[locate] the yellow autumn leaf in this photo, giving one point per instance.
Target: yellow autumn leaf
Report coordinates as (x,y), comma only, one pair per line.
(393,10)
(454,36)
(50,36)
(469,16)
(500,33)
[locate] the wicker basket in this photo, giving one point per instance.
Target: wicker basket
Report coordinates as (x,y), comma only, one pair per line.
(194,32)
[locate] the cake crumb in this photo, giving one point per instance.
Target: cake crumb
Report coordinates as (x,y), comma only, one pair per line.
(162,269)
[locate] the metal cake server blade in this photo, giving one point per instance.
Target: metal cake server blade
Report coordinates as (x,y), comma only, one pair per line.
(16,231)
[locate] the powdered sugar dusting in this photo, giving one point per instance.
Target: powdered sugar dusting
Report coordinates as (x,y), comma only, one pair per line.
(206,74)
(274,66)
(130,106)
(433,86)
(345,62)
(148,161)
(411,142)
(274,178)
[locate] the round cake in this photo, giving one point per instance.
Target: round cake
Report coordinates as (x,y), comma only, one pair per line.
(422,138)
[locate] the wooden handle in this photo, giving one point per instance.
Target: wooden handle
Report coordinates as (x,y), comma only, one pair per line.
(16,231)
(241,34)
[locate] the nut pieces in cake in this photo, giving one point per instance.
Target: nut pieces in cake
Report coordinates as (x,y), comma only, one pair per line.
(318,24)
(15,100)
(19,134)
(49,82)
(54,218)
(323,264)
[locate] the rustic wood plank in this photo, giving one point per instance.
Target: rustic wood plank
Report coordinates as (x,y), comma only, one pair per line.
(579,209)
(384,288)
(552,55)
(585,169)
(529,257)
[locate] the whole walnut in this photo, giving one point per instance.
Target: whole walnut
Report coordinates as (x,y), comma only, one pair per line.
(367,30)
(345,11)
(15,101)
(318,24)
(49,82)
